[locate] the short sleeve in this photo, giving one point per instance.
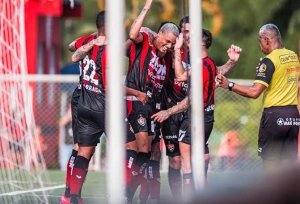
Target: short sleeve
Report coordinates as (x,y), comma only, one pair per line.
(264,72)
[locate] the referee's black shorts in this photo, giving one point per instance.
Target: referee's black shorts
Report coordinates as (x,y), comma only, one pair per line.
(278,133)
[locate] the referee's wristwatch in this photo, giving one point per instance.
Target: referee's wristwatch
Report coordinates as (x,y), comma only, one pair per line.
(230,85)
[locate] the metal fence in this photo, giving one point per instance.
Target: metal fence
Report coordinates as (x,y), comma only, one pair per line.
(233,142)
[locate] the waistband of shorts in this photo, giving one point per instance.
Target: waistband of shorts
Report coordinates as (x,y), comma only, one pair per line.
(131,98)
(280,107)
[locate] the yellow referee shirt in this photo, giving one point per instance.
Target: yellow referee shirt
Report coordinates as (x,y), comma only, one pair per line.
(279,72)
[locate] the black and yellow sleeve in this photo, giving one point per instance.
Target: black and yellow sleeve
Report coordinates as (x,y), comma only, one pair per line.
(264,72)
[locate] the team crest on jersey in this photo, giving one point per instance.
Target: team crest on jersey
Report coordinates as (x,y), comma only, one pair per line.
(262,68)
(142,121)
(171,147)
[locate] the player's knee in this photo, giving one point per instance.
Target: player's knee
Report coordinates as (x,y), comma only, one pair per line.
(175,162)
(143,146)
(86,152)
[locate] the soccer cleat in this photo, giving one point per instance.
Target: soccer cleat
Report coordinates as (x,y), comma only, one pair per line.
(76,200)
(64,200)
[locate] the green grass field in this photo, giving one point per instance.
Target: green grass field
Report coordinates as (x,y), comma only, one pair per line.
(94,190)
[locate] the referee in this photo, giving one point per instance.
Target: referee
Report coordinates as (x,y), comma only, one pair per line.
(276,76)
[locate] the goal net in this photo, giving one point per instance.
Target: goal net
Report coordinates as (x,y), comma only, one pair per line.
(21,162)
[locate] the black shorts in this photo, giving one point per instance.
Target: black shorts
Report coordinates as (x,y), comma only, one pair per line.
(155,132)
(130,137)
(91,118)
(139,116)
(74,107)
(185,131)
(278,133)
(170,130)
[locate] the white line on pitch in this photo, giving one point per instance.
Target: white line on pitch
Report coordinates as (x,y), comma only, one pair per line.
(31,191)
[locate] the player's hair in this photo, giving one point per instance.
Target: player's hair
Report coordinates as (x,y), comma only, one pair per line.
(207,38)
(100,19)
(270,30)
(170,27)
(165,22)
(184,20)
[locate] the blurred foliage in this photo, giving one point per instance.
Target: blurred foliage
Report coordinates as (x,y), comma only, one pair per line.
(231,21)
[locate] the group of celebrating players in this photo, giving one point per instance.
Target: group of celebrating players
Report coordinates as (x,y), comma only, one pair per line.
(157,100)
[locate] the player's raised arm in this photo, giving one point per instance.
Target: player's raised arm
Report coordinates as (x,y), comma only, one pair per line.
(180,73)
(134,33)
(72,45)
(234,55)
(81,52)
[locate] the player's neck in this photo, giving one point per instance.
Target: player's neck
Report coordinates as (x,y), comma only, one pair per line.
(204,53)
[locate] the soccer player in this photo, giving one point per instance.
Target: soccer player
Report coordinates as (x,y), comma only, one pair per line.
(149,64)
(277,77)
(91,105)
(209,74)
(73,46)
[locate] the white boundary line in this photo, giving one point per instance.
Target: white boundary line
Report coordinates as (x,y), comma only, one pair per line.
(31,191)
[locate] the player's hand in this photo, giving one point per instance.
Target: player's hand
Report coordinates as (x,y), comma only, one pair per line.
(179,42)
(234,53)
(100,40)
(223,81)
(160,116)
(142,97)
(218,78)
(148,4)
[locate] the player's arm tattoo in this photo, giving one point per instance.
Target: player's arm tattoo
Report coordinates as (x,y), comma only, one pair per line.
(180,107)
(134,33)
(225,68)
(180,73)
(81,52)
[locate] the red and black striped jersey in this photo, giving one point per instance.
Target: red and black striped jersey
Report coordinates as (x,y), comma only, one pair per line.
(175,90)
(147,72)
(93,66)
(80,42)
(209,84)
(94,70)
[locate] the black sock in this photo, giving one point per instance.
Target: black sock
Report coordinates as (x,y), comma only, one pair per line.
(175,182)
(154,179)
(70,166)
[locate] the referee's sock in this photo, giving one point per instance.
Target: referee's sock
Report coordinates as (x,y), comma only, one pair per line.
(78,175)
(70,166)
(175,182)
